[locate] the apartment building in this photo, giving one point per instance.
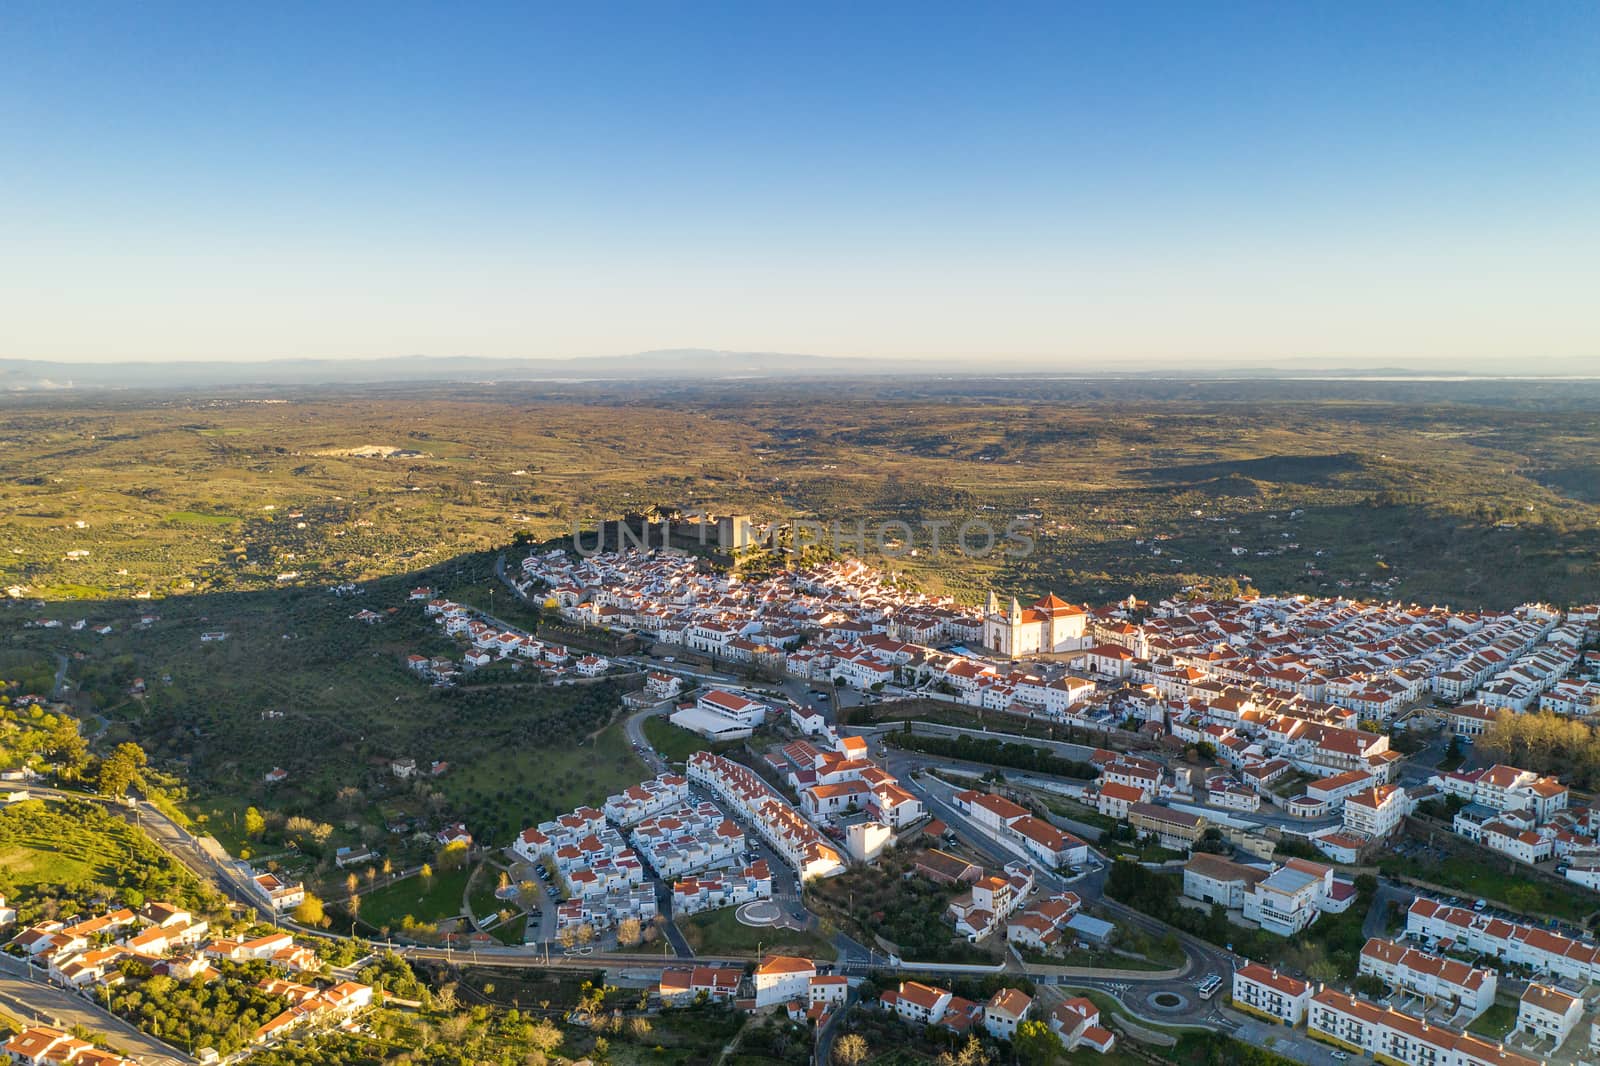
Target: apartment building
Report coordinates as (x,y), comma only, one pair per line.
(1506,788)
(1376,812)
(1541,950)
(783,827)
(1421,973)
(1214,879)
(1264,990)
(1291,897)
(1013,825)
(647,798)
(782,977)
(1348,1022)
(1178,830)
(688,839)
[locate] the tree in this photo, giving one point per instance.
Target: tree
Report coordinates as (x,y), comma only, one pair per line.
(254,823)
(351,883)
(1035,1044)
(67,748)
(850,1050)
(426,873)
(121,768)
(1523,898)
(628,932)
(310,911)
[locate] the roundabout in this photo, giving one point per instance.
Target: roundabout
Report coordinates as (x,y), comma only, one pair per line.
(1168,1001)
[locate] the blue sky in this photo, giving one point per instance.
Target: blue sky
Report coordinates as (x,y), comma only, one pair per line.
(1118,184)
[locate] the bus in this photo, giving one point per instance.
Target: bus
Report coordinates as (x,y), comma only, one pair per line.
(1210,986)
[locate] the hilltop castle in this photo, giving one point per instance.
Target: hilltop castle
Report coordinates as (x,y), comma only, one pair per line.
(1046,627)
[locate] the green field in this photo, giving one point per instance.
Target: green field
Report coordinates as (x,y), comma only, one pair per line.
(674,743)
(720,933)
(1490,879)
(425,900)
(299,684)
(64,855)
(196,518)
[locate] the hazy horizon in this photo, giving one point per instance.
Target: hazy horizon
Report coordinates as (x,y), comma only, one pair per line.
(1129,187)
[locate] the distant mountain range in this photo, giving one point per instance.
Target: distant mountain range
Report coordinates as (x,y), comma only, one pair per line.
(676,363)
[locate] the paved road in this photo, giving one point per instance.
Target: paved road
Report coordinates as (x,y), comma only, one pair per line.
(37,1002)
(1140,993)
(1376,923)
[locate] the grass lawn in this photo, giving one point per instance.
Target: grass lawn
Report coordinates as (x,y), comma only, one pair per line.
(1147,852)
(50,844)
(34,862)
(720,933)
(426,902)
(674,743)
(524,785)
(65,851)
(481,897)
(1488,879)
(195,518)
(1495,1022)
(1291,784)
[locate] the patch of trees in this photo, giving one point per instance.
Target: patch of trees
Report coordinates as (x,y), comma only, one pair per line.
(1546,744)
(995,752)
(223,1014)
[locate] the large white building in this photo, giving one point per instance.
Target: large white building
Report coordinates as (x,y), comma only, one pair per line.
(1266,991)
(640,801)
(1048,626)
(781,978)
(1351,1023)
(1376,812)
(1291,897)
(721,715)
(1214,879)
(1541,950)
(1010,824)
(1506,788)
(1548,1012)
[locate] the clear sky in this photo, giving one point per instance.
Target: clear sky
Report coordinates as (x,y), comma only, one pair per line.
(1121,184)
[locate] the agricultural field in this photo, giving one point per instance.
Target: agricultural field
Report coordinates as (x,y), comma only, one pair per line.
(1466,492)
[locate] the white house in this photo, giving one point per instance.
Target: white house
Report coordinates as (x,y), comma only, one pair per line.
(781,978)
